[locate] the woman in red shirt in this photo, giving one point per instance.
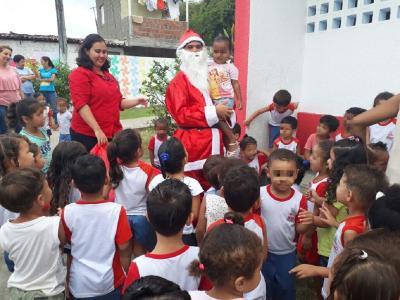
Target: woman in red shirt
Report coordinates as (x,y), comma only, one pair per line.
(95,95)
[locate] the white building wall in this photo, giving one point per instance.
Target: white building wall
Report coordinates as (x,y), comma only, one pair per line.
(275,56)
(349,66)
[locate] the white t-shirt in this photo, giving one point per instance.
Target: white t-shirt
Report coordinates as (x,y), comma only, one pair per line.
(194,187)
(6,215)
(216,208)
(33,246)
(64,121)
(202,295)
(276,117)
(383,132)
(291,146)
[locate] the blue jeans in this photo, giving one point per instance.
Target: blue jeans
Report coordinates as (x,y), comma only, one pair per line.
(274,133)
(114,295)
(51,100)
(64,138)
(280,284)
(28,95)
(3,119)
(142,231)
(9,263)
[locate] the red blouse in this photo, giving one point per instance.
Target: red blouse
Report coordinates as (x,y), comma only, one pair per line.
(101,94)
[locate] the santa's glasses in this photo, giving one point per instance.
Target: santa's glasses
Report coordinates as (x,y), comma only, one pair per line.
(190,47)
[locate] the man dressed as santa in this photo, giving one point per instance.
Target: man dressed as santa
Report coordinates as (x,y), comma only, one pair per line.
(189,103)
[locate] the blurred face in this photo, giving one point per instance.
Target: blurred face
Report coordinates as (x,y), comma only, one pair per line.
(316,162)
(62,106)
(44,63)
(5,56)
(323,131)
(41,99)
(331,159)
(25,157)
(221,52)
(282,174)
(98,54)
(286,131)
(194,46)
(37,119)
(250,152)
(21,64)
(161,130)
(280,108)
(342,191)
(39,161)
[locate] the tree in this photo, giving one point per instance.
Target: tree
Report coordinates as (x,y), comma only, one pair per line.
(211,17)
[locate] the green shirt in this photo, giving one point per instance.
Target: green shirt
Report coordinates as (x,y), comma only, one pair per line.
(43,144)
(326,235)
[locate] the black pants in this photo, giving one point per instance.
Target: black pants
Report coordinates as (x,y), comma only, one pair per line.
(88,141)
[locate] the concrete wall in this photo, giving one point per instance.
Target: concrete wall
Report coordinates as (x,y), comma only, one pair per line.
(275,56)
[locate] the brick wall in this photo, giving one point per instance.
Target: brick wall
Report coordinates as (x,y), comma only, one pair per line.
(159,29)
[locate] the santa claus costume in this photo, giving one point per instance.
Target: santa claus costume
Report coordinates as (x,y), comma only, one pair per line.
(188,101)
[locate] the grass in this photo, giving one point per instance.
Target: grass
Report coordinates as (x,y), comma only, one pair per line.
(146,133)
(137,112)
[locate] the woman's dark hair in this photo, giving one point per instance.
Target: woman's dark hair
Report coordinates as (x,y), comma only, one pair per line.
(211,170)
(48,60)
(20,188)
(346,151)
(171,155)
(10,146)
(154,288)
(122,149)
(364,275)
(228,251)
(247,140)
(59,174)
(83,59)
(24,108)
(385,211)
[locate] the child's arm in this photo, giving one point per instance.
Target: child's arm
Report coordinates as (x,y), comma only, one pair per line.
(195,207)
(151,155)
(255,115)
(61,235)
(307,154)
(123,239)
(202,222)
(349,235)
(298,150)
(238,93)
(265,242)
(125,254)
(306,271)
(327,217)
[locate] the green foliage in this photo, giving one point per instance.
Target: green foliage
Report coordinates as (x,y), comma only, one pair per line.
(155,86)
(211,18)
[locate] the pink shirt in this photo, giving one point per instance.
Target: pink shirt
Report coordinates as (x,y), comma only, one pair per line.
(10,86)
(220,78)
(312,141)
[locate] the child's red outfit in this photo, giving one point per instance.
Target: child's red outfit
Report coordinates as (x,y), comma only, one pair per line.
(275,120)
(354,223)
(154,144)
(94,230)
(291,145)
(258,162)
(171,266)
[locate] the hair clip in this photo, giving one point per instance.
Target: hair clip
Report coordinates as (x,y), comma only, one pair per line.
(379,195)
(164,156)
(354,138)
(201,266)
(228,221)
(363,255)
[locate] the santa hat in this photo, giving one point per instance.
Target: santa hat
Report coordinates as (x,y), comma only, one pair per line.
(189,36)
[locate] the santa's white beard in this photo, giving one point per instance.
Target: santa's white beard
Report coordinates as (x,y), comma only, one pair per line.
(194,65)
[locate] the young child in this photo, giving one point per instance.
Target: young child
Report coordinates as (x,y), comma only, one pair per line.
(64,117)
(169,208)
(47,112)
(211,170)
(327,125)
(99,234)
(37,156)
(32,239)
(348,115)
(59,174)
(378,156)
(237,132)
(173,158)
(230,257)
(280,108)
(131,178)
(251,155)
(280,208)
(224,86)
(286,140)
(161,129)
(382,131)
(30,115)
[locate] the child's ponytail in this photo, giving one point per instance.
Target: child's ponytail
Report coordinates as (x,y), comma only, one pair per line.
(233,218)
(116,174)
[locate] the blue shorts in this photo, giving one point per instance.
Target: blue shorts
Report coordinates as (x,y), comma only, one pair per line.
(65,138)
(142,231)
(230,102)
(280,284)
(273,134)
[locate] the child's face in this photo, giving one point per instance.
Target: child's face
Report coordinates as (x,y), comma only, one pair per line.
(316,162)
(283,174)
(38,118)
(286,131)
(323,130)
(331,159)
(161,130)
(39,161)
(281,108)
(61,107)
(342,190)
(221,52)
(41,99)
(249,152)
(25,157)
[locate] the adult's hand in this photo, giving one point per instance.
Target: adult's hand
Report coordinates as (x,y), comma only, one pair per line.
(101,137)
(223,111)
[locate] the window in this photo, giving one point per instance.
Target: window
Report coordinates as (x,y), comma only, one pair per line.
(310,27)
(102,19)
(312,11)
(367,2)
(324,8)
(351,20)
(323,25)
(367,17)
(336,23)
(384,14)
(338,5)
(353,3)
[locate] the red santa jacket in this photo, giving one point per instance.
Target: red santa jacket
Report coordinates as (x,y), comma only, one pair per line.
(195,114)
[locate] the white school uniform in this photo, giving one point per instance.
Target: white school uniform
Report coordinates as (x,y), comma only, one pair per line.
(383,132)
(291,146)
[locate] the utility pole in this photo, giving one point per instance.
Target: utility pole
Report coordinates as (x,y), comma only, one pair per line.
(187,14)
(62,36)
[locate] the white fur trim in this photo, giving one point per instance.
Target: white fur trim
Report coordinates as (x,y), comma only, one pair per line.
(191,39)
(211,115)
(195,165)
